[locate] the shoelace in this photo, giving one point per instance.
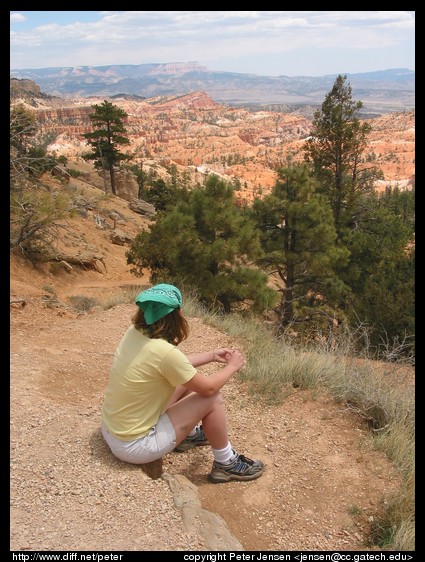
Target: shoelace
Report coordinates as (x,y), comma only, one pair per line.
(243,458)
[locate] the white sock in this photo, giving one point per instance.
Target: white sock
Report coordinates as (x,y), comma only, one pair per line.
(224,456)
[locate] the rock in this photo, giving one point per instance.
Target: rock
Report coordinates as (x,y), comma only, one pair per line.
(211,527)
(142,207)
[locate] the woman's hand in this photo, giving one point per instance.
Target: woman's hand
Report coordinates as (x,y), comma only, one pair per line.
(235,359)
(221,354)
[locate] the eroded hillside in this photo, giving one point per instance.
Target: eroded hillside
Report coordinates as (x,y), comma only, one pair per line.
(200,136)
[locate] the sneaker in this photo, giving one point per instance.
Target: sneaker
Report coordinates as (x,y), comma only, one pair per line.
(191,441)
(241,468)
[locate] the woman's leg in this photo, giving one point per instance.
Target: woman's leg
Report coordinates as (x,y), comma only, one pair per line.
(179,393)
(186,412)
(227,465)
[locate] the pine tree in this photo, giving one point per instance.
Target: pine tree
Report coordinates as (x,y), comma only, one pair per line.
(299,243)
(382,270)
(378,238)
(205,242)
(109,133)
(335,149)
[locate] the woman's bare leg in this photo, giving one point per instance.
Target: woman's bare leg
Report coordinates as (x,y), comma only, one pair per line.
(179,393)
(188,411)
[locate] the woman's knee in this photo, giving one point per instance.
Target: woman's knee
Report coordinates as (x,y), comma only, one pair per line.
(218,401)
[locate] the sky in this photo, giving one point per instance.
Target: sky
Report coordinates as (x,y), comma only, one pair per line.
(252,42)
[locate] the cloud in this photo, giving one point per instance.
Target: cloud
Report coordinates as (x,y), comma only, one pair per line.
(16,17)
(210,37)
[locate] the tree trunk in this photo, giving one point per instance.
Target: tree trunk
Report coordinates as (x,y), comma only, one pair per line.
(105,185)
(112,176)
(286,308)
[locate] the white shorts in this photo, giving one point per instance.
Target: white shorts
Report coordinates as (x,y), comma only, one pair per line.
(160,440)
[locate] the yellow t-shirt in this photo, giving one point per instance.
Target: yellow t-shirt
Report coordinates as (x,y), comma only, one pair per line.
(143,377)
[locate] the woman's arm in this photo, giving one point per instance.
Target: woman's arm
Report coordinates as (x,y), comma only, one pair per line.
(218,354)
(207,386)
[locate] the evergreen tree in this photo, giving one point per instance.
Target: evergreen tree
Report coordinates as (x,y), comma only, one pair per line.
(401,203)
(335,150)
(164,195)
(300,244)
(109,133)
(376,230)
(382,270)
(174,176)
(205,242)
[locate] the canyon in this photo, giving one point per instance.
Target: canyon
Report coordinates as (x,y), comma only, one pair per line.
(200,136)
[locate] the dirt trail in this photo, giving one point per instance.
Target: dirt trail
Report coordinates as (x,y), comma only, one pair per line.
(322,487)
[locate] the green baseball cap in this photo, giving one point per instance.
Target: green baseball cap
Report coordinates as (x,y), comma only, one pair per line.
(158,301)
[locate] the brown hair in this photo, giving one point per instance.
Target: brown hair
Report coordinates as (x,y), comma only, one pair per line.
(173,327)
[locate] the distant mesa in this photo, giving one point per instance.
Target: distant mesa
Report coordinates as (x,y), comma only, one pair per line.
(383,91)
(129,97)
(25,85)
